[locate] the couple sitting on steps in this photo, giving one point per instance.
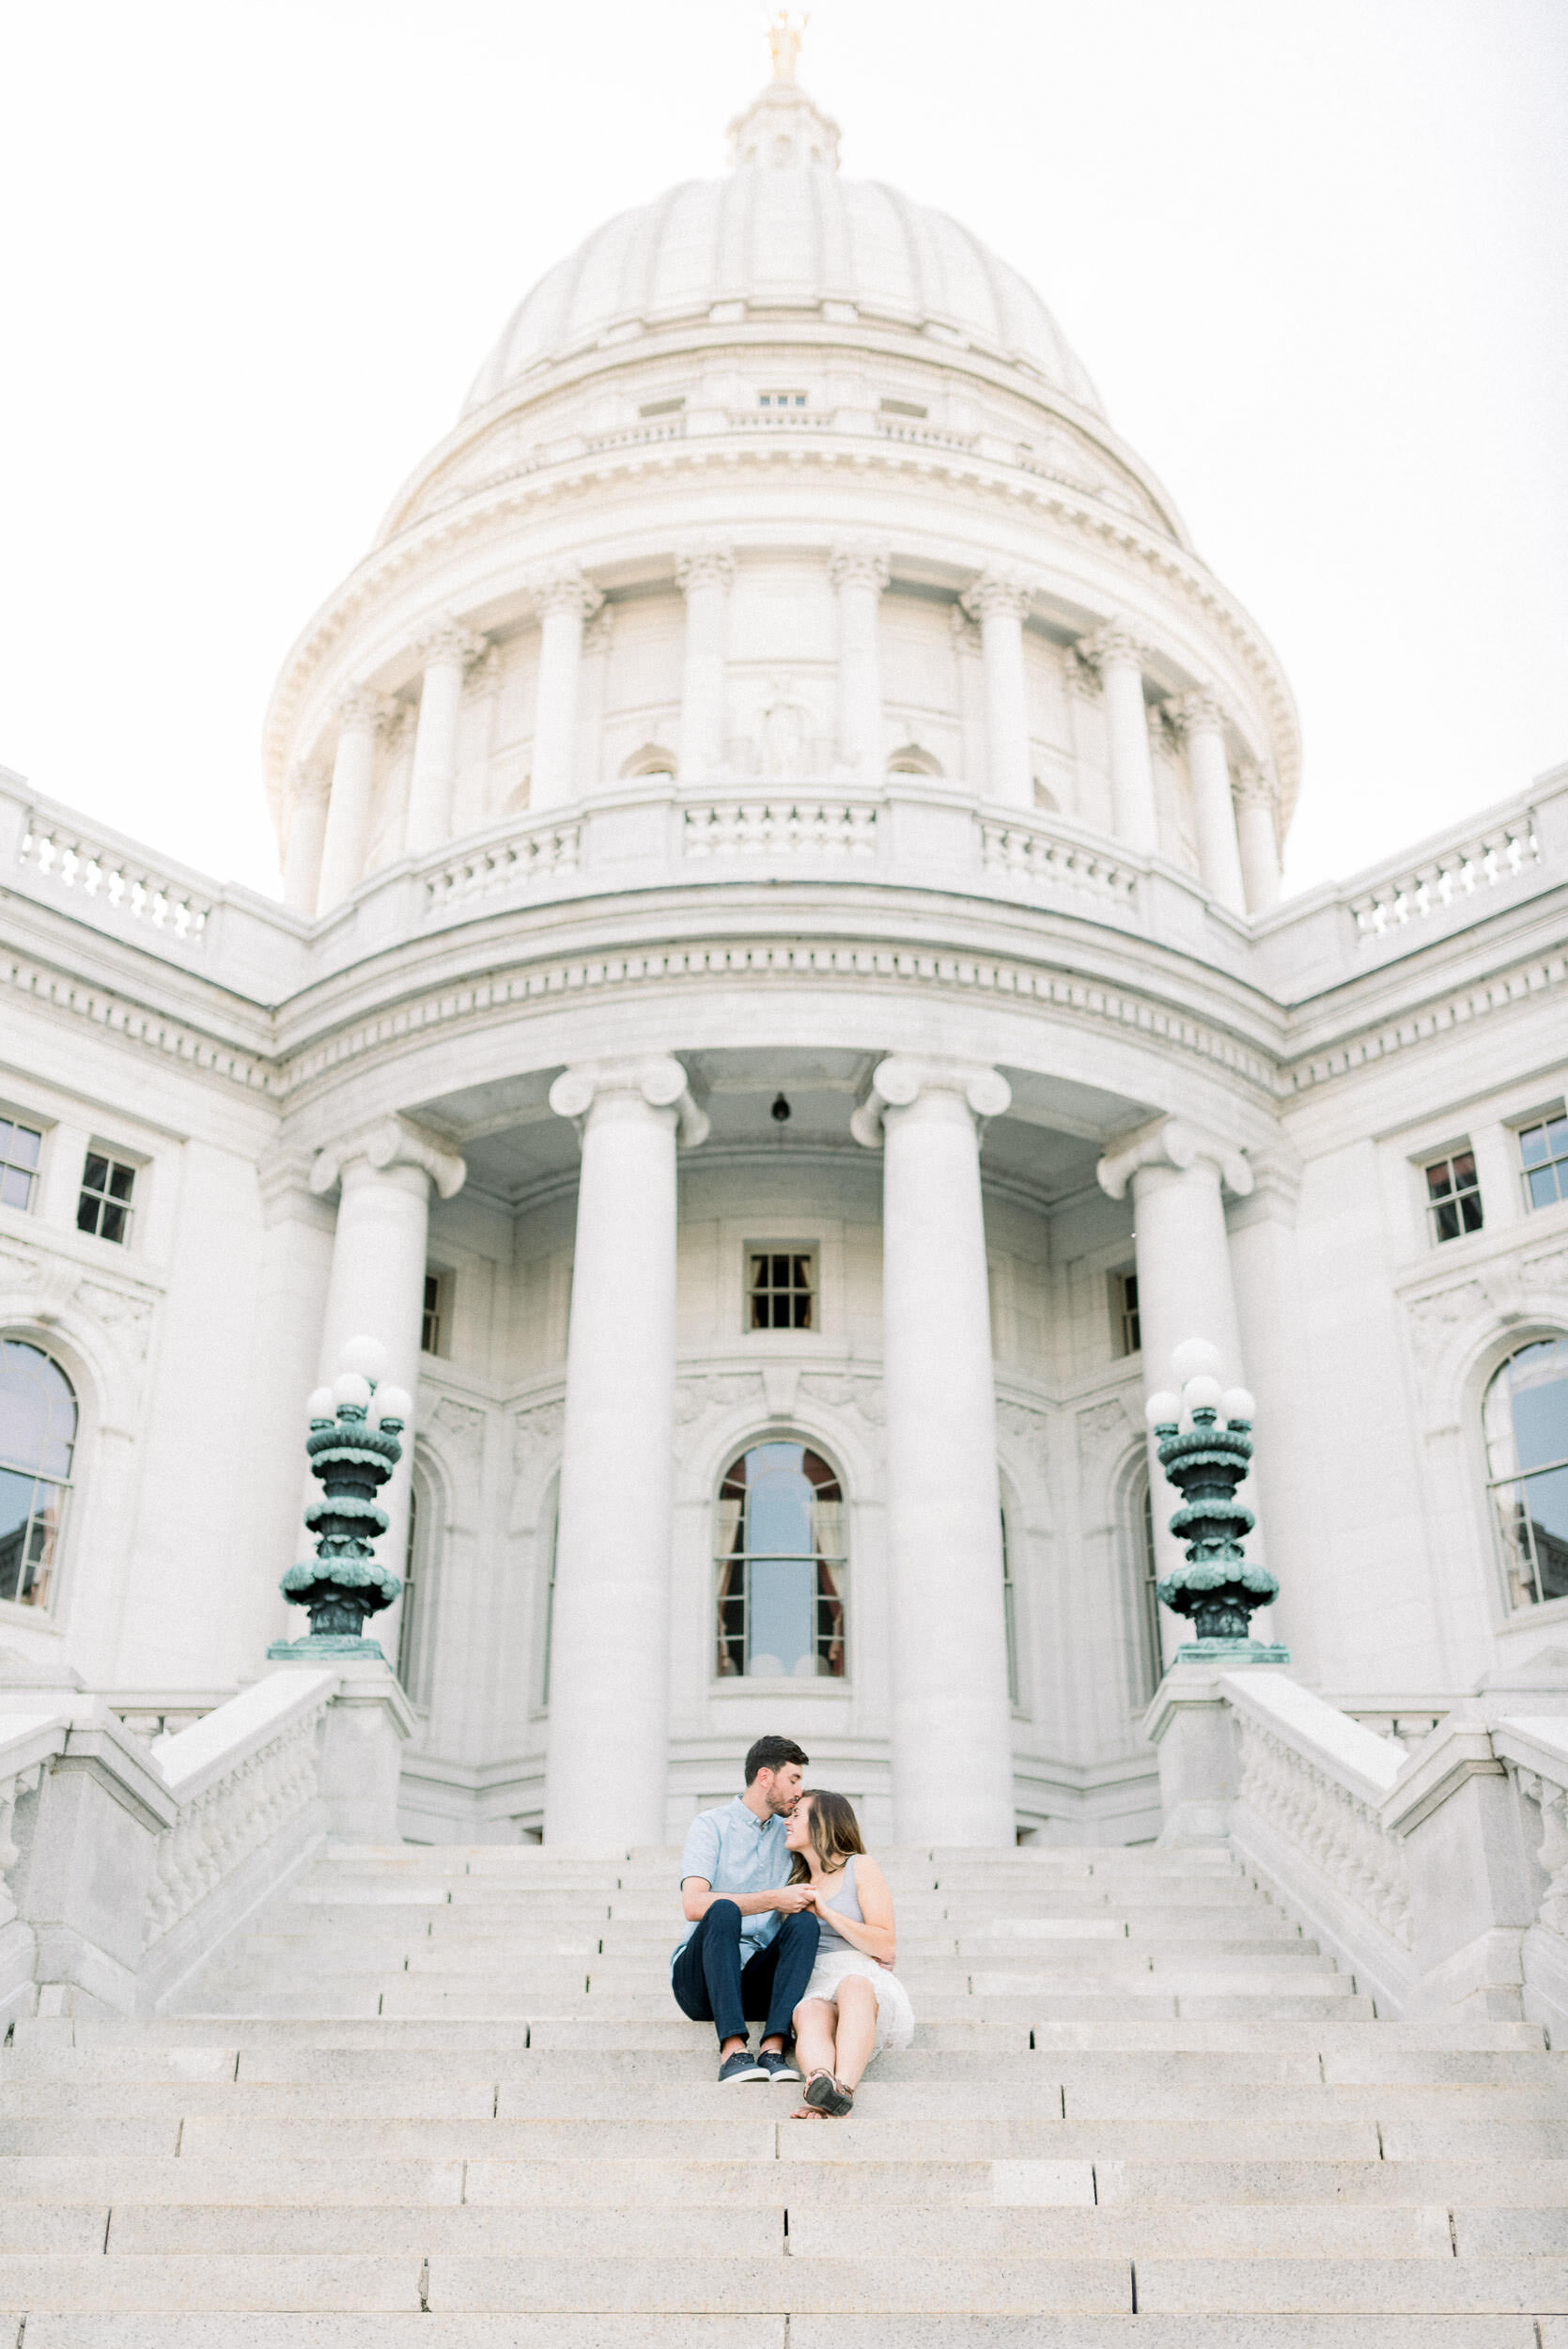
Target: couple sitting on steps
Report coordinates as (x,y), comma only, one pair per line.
(790,1925)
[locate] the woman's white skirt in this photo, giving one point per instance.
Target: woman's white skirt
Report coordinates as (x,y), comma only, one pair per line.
(896,2017)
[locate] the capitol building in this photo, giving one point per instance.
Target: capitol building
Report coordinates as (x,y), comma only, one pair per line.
(782,1019)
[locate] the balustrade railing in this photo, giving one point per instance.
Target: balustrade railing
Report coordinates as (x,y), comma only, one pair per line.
(1032,853)
(1449,876)
(496,865)
(1308,1815)
(779,825)
(115,875)
(244,1777)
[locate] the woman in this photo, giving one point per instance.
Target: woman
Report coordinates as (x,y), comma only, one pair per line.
(854,2005)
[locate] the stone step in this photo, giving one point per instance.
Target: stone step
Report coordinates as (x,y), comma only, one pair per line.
(174,2330)
(736,2230)
(921,2086)
(507,2285)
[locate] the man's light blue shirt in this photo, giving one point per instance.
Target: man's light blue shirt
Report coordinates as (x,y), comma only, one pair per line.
(735,1852)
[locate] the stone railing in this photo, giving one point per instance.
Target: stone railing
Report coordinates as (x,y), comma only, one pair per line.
(1036,855)
(247,1781)
(1457,869)
(1533,1749)
(1437,1877)
(124,1865)
(778,825)
(1308,1815)
(116,875)
(500,864)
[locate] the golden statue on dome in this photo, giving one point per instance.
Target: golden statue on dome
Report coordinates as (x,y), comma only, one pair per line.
(784,41)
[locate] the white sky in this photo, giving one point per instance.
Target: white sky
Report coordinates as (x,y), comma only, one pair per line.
(1314,253)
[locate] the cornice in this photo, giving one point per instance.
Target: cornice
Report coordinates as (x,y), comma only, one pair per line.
(565,482)
(485,969)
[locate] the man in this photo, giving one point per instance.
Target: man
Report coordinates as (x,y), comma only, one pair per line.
(751,1940)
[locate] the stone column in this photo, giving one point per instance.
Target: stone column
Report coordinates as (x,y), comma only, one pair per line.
(705,577)
(375,1288)
(952,1718)
(1198,715)
(1119,658)
(445,652)
(307,833)
(607,1742)
(859,575)
(1257,836)
(361,714)
(1185,1290)
(999,605)
(564,604)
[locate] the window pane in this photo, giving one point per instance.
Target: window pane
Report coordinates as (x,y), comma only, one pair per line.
(16,1187)
(120,1180)
(1438,1179)
(780,1610)
(1541,1422)
(1463,1170)
(86,1213)
(778,1503)
(1444,1221)
(94,1175)
(1545,1501)
(1532,1145)
(16,1517)
(1542,1187)
(1469,1207)
(113,1226)
(1556,1137)
(38,1410)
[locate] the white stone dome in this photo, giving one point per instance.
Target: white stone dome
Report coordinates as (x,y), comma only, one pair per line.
(784,235)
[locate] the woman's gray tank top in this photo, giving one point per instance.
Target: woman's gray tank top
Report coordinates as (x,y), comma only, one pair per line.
(846,1901)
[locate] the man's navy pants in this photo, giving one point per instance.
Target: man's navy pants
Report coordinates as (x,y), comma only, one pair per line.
(712,1987)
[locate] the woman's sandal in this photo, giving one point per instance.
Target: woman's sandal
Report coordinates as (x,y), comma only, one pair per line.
(825,2095)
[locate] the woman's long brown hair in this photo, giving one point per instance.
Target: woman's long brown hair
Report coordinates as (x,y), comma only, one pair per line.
(835,1833)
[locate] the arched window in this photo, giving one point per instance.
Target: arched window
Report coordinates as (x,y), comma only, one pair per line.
(912,760)
(652,759)
(37,1435)
(1010,1614)
(1143,1591)
(552,1557)
(416,1632)
(1525,1420)
(779,1568)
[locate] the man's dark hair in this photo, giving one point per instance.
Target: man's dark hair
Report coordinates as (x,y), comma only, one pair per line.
(771,1753)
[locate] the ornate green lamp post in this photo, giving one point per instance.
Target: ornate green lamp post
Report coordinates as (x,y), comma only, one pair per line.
(353,1448)
(1205,1438)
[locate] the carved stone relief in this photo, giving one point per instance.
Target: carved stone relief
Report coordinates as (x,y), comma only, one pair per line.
(536,1434)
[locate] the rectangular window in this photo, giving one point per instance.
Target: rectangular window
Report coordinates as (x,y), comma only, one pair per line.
(782,1289)
(1544,1162)
(434,1316)
(901,408)
(20,1149)
(781,400)
(1453,1197)
(662,407)
(104,1206)
(1127,1331)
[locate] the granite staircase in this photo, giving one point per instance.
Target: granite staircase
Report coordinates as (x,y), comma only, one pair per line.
(439,2098)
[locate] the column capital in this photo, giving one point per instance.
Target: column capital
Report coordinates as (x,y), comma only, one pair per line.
(897,1083)
(566,590)
(859,566)
(1171,1142)
(308,779)
(1199,711)
(1114,644)
(996,591)
(391,1142)
(447,640)
(705,567)
(361,707)
(1252,785)
(658,1078)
